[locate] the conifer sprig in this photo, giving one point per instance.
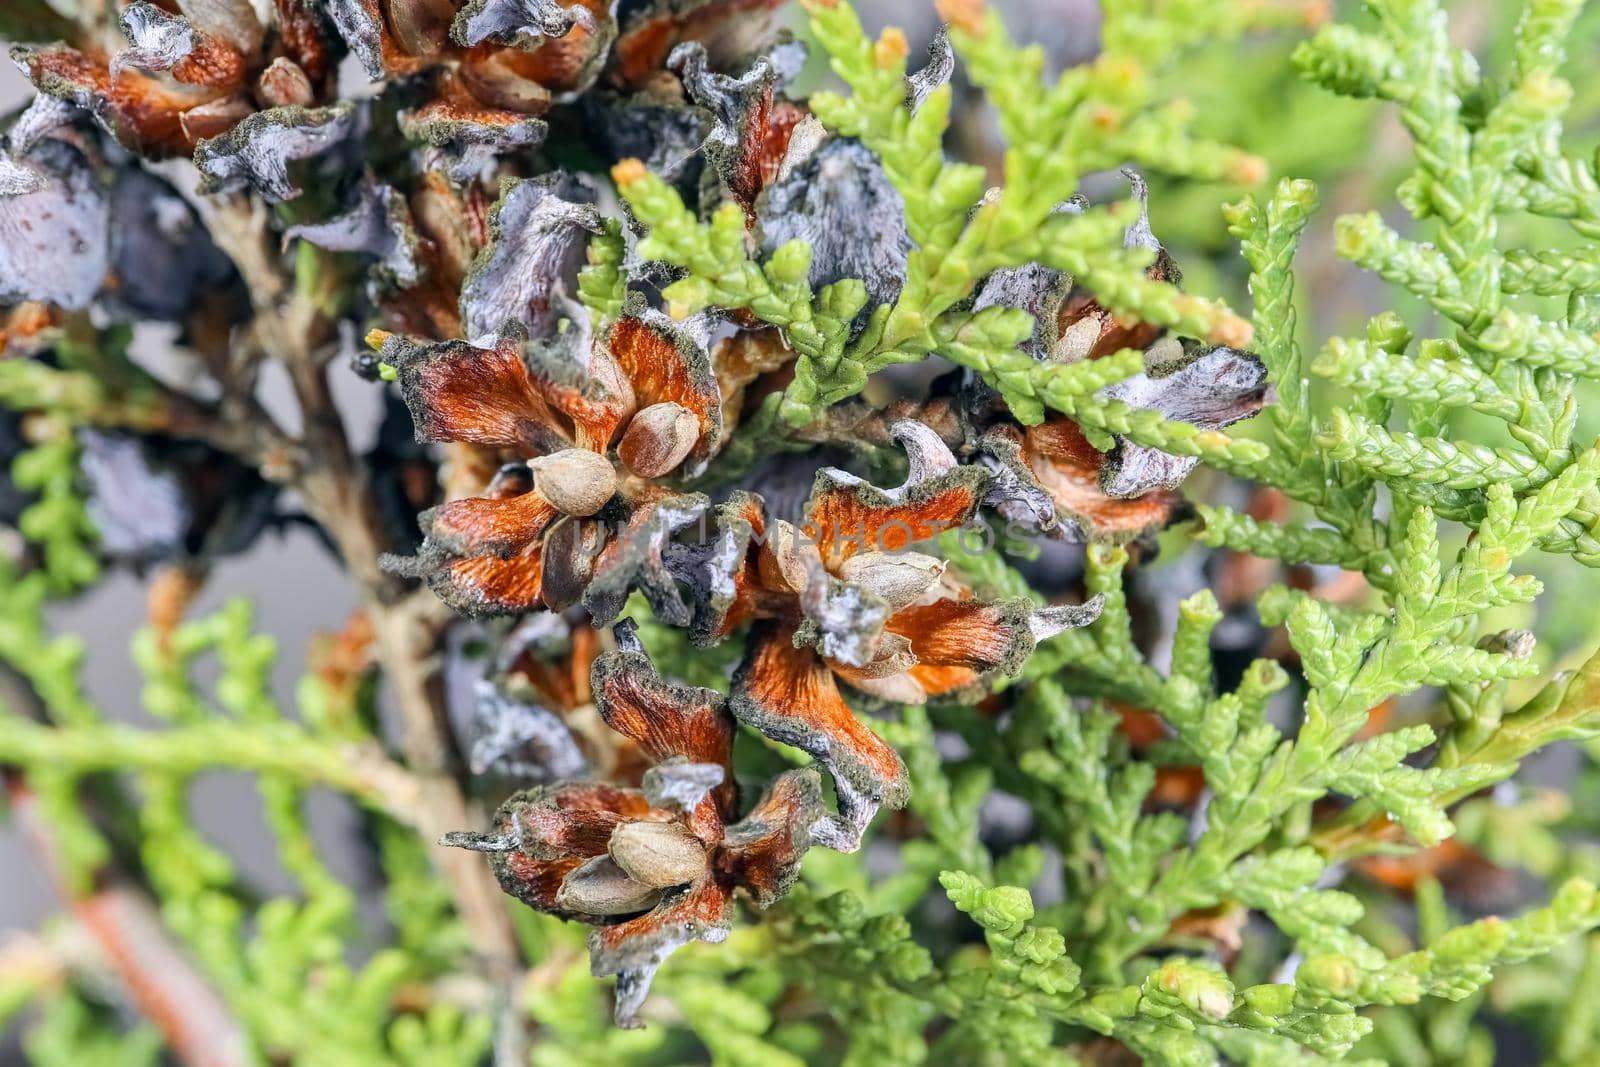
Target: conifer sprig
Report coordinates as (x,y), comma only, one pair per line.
(1093,117)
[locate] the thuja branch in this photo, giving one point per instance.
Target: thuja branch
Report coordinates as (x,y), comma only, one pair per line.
(958,235)
(1195,763)
(817,324)
(133,948)
(338,495)
(360,770)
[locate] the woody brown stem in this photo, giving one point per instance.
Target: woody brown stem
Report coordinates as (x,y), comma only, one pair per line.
(137,948)
(115,938)
(339,497)
(337,494)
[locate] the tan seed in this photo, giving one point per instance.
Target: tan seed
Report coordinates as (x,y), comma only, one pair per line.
(658,854)
(795,552)
(898,577)
(284,84)
(600,887)
(658,439)
(575,480)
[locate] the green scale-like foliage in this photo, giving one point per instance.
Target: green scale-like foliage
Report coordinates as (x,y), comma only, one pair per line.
(1437,456)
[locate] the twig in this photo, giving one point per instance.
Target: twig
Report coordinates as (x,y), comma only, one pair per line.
(339,497)
(148,964)
(337,494)
(360,770)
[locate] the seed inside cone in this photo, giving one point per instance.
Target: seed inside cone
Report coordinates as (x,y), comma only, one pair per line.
(285,84)
(575,480)
(600,887)
(658,854)
(899,578)
(658,439)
